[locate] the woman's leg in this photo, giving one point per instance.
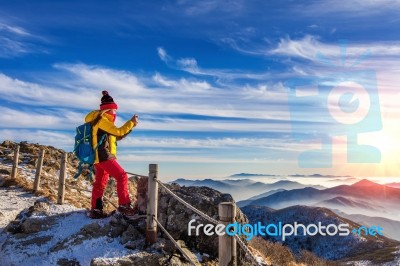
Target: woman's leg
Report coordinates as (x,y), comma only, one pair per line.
(99,185)
(113,168)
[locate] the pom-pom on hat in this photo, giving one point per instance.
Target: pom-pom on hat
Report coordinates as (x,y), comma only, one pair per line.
(107,102)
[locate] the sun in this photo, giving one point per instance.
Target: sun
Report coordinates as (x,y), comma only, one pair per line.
(388,142)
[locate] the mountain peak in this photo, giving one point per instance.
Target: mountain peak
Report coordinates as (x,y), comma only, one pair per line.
(364,183)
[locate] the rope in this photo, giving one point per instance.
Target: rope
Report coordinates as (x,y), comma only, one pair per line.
(143,176)
(247,250)
(174,242)
(205,216)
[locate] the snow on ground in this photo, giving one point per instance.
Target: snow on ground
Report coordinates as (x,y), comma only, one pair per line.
(69,221)
(12,201)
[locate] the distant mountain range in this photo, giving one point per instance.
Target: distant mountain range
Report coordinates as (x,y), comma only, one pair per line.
(243,203)
(394,184)
(319,175)
(242,188)
(328,247)
(242,175)
(348,203)
(391,228)
(250,175)
(364,197)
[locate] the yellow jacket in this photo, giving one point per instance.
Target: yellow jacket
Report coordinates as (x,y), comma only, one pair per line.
(105,125)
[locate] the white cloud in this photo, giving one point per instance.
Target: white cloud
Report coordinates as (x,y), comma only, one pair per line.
(182,84)
(22,92)
(17,41)
(11,48)
(191,159)
(184,64)
(14,29)
(123,82)
(168,124)
(188,64)
(209,9)
(160,79)
(276,93)
(213,143)
(356,8)
(305,48)
(33,118)
(44,137)
(309,47)
(191,66)
(162,54)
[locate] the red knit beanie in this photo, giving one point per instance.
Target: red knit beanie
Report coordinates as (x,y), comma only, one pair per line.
(107,102)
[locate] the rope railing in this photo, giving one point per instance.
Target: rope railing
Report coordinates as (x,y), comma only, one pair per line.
(174,242)
(132,174)
(200,213)
(248,252)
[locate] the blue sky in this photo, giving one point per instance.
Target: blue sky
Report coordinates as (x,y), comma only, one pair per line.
(208,79)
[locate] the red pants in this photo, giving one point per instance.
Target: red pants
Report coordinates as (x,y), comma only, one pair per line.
(103,171)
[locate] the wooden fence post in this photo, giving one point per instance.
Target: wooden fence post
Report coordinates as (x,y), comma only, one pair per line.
(226,243)
(38,171)
(61,180)
(152,204)
(14,170)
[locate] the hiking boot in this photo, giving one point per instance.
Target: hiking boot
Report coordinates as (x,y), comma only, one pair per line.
(97,214)
(127,210)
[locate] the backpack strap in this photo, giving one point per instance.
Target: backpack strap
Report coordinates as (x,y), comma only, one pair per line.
(79,171)
(100,142)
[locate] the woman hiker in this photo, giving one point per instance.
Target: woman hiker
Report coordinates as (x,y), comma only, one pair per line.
(106,134)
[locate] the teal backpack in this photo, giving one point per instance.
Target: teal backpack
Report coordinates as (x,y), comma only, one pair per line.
(83,148)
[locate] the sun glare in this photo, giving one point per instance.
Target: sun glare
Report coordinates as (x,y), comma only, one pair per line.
(388,142)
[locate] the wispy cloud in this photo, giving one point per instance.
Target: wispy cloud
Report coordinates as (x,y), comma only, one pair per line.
(192,159)
(311,48)
(39,118)
(163,54)
(200,9)
(100,77)
(44,137)
(190,65)
(12,48)
(13,29)
(184,64)
(183,84)
(16,41)
(283,144)
(356,8)
(35,94)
